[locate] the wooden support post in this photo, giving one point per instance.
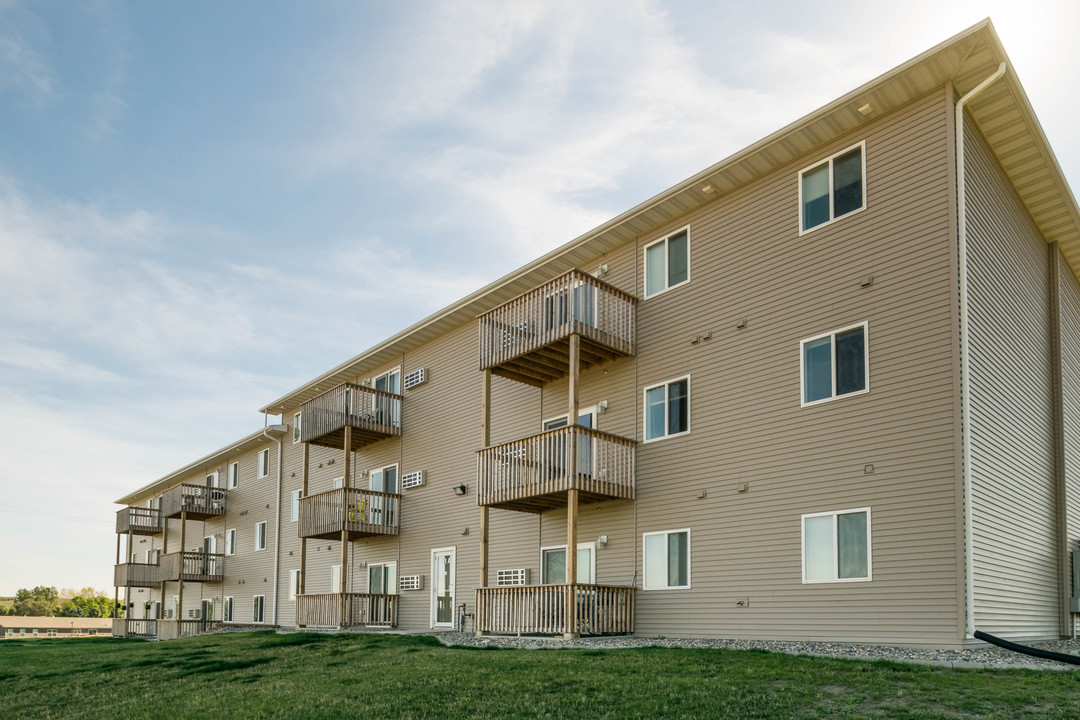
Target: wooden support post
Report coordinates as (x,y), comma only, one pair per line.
(116,603)
(485,441)
(303,541)
(572,493)
(180,576)
(345,484)
(164,551)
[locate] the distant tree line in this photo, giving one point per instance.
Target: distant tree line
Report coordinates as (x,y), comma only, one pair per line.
(43,601)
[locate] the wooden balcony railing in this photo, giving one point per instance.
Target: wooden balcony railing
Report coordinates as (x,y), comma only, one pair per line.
(193,566)
(199,501)
(533,475)
(173,629)
(139,521)
(137,575)
(373,415)
(360,513)
(527,338)
(364,609)
(541,609)
(122,627)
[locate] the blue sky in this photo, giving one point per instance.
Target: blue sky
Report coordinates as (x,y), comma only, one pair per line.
(203,205)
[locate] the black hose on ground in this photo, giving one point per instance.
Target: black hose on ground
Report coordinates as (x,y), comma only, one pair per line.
(1034,652)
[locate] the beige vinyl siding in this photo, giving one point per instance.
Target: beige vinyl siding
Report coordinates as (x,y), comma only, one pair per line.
(1015,549)
(1069,299)
(747,426)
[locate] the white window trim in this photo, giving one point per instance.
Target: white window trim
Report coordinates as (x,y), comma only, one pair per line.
(230,548)
(296,429)
(234,476)
(264,453)
(836,554)
(435,552)
(230,605)
(667,407)
(581,411)
(263,619)
(865,325)
(335,587)
(294,583)
(816,165)
(294,504)
(256,543)
(212,480)
(689,553)
(581,546)
(384,468)
(645,255)
(383,565)
(338,483)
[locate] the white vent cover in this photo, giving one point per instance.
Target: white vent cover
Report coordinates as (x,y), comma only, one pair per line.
(195,613)
(411,582)
(413,479)
(414,378)
(517,576)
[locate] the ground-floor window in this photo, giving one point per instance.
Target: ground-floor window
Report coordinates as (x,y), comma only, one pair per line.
(226,611)
(836,546)
(667,559)
(257,605)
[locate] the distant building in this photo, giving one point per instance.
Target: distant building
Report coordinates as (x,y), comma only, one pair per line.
(21,626)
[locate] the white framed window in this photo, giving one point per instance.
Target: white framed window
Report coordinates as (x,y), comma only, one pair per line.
(295,514)
(667,409)
(667,262)
(553,564)
(667,559)
(294,583)
(234,475)
(296,428)
(211,480)
(335,578)
(338,483)
(382,578)
(387,411)
(836,546)
(260,535)
(230,541)
(832,188)
(227,610)
(264,462)
(835,364)
(258,605)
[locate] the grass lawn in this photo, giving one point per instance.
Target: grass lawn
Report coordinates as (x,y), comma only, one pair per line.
(265,675)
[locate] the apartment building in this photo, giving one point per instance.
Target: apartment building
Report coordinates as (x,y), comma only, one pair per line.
(826,389)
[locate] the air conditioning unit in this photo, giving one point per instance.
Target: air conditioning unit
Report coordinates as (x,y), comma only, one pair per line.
(195,614)
(169,614)
(413,479)
(411,582)
(517,576)
(416,377)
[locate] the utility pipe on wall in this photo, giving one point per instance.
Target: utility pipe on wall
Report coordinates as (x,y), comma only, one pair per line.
(965,389)
(277,521)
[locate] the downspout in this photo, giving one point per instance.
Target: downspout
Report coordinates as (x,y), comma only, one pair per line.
(965,390)
(277,521)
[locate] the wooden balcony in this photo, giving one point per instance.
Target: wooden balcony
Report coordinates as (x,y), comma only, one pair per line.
(532,475)
(541,610)
(528,338)
(200,502)
(192,566)
(173,629)
(138,521)
(361,609)
(372,414)
(360,513)
(146,575)
(122,627)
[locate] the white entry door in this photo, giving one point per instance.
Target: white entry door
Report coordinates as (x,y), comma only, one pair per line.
(442,587)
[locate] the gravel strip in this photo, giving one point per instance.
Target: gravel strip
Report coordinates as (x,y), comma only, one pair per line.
(987,656)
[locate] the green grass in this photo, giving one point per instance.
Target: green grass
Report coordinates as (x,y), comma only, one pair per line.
(264,675)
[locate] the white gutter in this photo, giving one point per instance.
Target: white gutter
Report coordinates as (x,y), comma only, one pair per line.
(965,391)
(277,523)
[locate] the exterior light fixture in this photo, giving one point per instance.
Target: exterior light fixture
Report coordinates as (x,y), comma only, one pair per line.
(460,489)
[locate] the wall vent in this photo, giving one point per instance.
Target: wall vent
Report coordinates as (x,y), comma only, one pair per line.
(517,576)
(414,378)
(413,479)
(411,582)
(195,613)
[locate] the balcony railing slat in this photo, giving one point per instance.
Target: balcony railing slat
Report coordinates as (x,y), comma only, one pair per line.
(359,512)
(198,500)
(361,609)
(374,413)
(197,566)
(139,520)
(541,609)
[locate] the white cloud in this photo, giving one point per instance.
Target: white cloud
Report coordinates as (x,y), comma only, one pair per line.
(21,66)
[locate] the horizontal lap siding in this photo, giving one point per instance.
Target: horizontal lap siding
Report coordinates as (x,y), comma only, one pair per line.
(1015,555)
(747,426)
(1069,294)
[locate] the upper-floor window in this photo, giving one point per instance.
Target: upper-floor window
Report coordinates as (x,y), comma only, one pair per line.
(260,536)
(667,559)
(834,364)
(296,428)
(264,462)
(667,262)
(833,188)
(234,475)
(211,480)
(295,505)
(836,546)
(230,541)
(667,409)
